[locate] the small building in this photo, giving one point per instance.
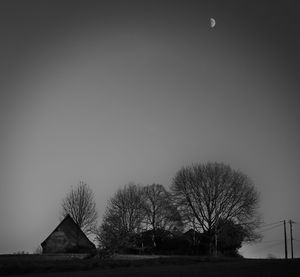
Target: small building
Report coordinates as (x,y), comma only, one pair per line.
(67,237)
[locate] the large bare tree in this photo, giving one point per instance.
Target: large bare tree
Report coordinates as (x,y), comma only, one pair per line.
(80,204)
(123,217)
(211,194)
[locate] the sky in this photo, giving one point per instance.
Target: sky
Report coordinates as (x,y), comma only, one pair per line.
(112,92)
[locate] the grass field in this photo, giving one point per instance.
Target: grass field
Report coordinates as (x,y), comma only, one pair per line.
(34,265)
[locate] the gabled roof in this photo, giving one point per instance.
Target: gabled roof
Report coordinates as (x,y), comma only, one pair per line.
(70,219)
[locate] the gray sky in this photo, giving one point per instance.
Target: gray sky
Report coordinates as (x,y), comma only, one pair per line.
(116,91)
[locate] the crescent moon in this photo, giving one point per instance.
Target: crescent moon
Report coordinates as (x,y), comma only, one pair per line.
(212,22)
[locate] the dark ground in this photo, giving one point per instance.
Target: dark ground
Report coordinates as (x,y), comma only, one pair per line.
(172,266)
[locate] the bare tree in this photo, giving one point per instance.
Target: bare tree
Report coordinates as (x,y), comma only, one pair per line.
(160,213)
(211,194)
(123,217)
(79,203)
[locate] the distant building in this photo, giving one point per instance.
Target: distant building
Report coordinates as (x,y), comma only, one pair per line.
(67,237)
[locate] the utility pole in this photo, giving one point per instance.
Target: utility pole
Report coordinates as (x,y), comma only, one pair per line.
(291,235)
(285,246)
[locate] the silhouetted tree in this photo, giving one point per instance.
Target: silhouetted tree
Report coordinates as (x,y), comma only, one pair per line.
(213,193)
(79,203)
(160,213)
(122,219)
(230,238)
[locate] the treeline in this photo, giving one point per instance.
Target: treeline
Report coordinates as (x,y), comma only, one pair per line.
(146,220)
(210,208)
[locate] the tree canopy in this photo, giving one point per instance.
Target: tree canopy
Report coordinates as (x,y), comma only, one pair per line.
(159,211)
(80,204)
(210,207)
(209,195)
(123,218)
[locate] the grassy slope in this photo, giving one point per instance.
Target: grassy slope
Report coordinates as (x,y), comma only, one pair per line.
(175,266)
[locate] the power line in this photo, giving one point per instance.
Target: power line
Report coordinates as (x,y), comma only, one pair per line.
(272,243)
(270,228)
(269,224)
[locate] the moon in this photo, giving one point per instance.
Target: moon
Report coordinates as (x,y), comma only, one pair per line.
(212,22)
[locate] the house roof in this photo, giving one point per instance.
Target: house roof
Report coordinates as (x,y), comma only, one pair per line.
(70,219)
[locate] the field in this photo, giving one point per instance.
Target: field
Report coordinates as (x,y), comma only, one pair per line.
(36,265)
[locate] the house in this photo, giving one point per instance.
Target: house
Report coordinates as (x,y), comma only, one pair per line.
(67,237)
